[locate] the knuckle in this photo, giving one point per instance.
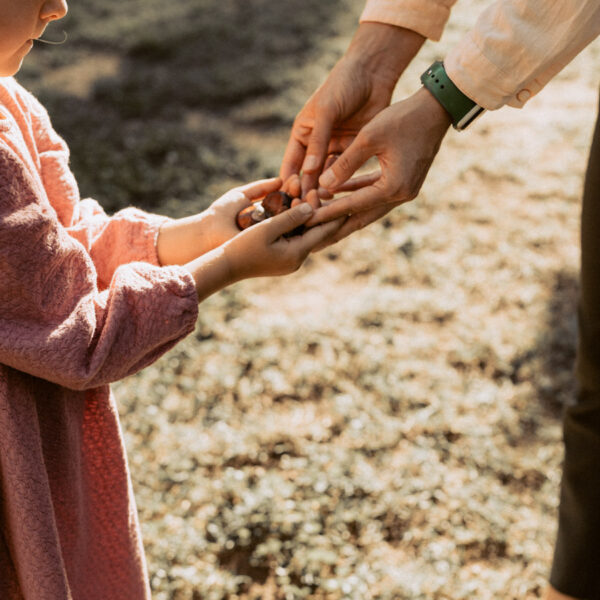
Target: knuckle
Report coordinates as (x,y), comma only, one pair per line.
(360,222)
(366,138)
(300,129)
(324,107)
(341,164)
(405,193)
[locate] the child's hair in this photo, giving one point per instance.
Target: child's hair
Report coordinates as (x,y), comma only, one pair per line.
(54,43)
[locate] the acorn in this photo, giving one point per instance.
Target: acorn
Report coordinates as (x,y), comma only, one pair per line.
(255,213)
(271,205)
(276,202)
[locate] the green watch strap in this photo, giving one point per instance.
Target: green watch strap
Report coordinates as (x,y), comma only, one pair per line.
(461,108)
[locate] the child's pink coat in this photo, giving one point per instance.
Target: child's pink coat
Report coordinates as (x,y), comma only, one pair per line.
(83,302)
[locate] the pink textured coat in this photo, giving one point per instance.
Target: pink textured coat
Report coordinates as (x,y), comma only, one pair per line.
(83,302)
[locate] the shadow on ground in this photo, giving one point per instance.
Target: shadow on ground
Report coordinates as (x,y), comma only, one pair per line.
(550,363)
(132,138)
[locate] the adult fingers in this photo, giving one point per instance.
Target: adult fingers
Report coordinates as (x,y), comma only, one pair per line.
(340,141)
(309,182)
(322,192)
(346,164)
(350,226)
(291,186)
(318,142)
(358,182)
(337,144)
(364,199)
(312,197)
(293,157)
(354,223)
(317,149)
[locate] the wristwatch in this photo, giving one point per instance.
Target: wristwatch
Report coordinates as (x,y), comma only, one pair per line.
(462,110)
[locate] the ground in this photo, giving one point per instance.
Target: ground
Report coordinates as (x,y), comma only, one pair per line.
(384,423)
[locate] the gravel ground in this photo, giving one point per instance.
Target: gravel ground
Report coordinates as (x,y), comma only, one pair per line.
(385,423)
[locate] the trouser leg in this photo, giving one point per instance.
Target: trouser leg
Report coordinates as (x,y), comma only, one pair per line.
(576,565)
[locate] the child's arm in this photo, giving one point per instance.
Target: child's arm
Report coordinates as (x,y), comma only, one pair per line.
(55,324)
(259,251)
(182,240)
(130,235)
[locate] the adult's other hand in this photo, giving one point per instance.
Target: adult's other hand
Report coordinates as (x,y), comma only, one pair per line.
(405,138)
(359,86)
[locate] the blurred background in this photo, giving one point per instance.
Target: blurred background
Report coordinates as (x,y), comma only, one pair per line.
(385,423)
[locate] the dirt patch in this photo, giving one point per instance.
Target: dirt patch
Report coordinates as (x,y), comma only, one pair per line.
(385,423)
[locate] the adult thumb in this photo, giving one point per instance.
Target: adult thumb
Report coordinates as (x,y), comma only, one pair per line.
(346,165)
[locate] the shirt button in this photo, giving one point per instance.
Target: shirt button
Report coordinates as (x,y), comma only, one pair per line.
(523,95)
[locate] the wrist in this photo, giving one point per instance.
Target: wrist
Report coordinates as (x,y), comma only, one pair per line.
(461,109)
(384,49)
(181,240)
(433,112)
(211,273)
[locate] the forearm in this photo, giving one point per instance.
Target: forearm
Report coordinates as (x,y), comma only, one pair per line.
(182,240)
(517,47)
(383,49)
(211,273)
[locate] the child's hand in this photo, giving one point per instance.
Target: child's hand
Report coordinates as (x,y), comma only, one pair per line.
(221,223)
(183,240)
(261,250)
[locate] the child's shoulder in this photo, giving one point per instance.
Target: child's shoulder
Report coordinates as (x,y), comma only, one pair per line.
(14,97)
(12,87)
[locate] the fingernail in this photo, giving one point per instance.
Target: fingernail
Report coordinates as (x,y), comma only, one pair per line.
(305,208)
(311,163)
(327,180)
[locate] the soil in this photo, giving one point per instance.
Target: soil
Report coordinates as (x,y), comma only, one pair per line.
(386,422)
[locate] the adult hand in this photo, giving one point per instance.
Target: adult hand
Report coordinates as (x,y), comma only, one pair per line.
(358,87)
(405,138)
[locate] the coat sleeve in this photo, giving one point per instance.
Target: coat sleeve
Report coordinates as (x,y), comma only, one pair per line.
(515,48)
(427,17)
(54,322)
(518,46)
(127,236)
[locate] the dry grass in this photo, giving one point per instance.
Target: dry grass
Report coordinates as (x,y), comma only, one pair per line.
(385,423)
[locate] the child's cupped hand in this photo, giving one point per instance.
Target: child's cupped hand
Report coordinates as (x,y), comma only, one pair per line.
(261,250)
(230,255)
(221,214)
(182,240)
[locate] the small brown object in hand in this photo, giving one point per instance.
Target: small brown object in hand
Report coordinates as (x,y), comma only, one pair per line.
(275,203)
(250,215)
(271,205)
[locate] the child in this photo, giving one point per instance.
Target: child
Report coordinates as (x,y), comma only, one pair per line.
(85,300)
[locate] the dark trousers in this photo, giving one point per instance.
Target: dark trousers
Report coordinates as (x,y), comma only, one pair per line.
(576,566)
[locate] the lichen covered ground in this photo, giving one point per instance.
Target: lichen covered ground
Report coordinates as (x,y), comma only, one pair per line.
(384,423)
